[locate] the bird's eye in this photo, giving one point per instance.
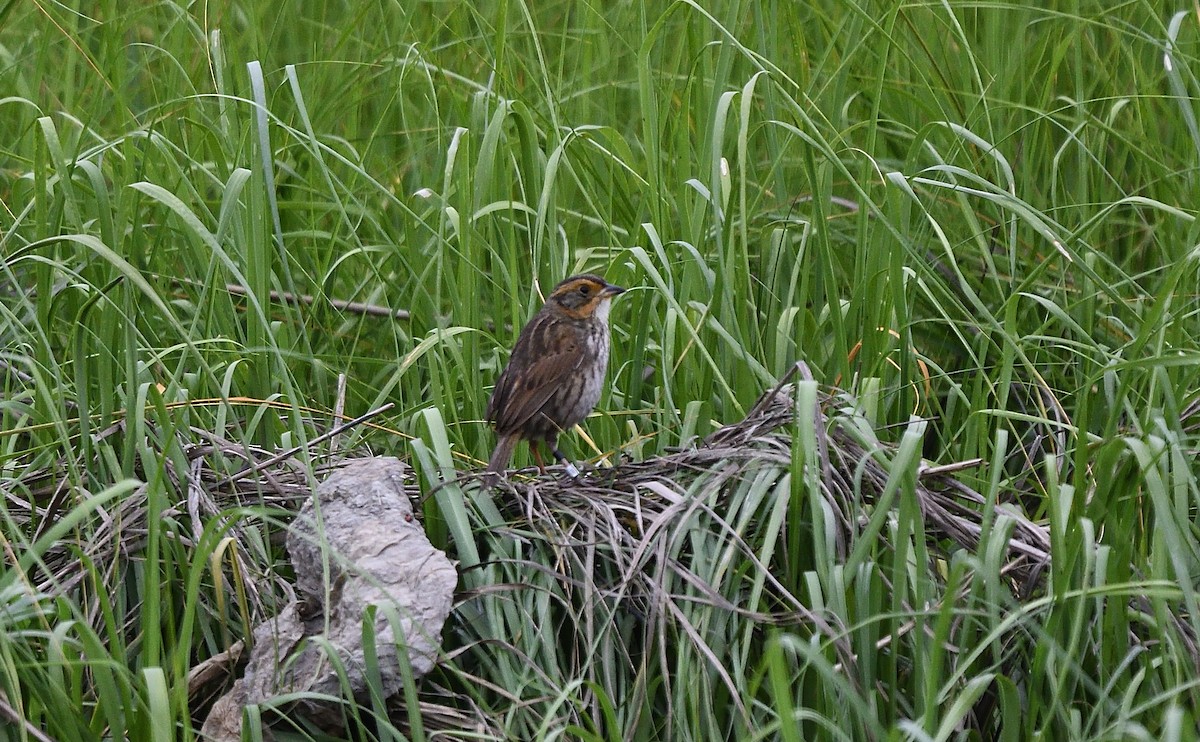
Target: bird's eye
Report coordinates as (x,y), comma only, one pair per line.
(585,289)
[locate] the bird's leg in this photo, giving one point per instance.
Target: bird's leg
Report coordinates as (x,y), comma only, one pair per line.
(572,470)
(537,456)
(561,458)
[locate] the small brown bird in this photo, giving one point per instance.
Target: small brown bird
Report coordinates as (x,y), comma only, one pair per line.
(556,371)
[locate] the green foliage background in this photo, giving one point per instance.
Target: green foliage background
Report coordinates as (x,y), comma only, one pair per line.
(979,213)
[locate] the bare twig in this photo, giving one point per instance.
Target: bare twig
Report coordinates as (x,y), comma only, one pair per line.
(297,449)
(10,714)
(355,307)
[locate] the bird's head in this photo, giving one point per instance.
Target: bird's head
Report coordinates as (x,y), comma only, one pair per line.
(584,296)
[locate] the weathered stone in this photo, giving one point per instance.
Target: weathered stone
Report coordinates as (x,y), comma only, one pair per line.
(357,545)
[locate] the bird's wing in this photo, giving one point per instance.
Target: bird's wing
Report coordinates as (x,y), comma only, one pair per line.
(543,358)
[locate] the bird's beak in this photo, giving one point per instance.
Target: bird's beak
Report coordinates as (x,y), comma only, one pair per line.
(611,290)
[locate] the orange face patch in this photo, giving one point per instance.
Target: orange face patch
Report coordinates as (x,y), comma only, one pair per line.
(584,286)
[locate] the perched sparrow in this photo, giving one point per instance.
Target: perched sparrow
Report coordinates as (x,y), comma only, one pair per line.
(556,371)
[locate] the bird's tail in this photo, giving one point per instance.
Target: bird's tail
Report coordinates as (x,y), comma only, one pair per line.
(505,445)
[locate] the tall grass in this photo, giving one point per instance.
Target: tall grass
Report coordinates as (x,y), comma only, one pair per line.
(979,215)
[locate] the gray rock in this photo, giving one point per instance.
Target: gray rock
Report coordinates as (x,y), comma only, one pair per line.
(357,545)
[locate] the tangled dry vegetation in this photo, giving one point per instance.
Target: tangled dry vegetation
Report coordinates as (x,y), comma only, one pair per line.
(612,538)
